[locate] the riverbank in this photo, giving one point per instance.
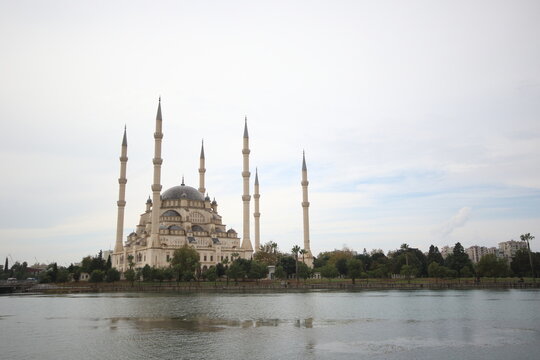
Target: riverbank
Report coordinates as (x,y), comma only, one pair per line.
(274,286)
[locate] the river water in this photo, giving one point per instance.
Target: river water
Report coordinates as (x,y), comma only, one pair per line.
(421,324)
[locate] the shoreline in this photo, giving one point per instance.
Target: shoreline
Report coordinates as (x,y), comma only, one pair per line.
(252,287)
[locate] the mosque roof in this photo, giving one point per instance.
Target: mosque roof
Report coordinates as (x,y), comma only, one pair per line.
(177,192)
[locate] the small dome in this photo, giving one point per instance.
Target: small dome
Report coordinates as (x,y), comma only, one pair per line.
(231,231)
(163,227)
(175,227)
(182,192)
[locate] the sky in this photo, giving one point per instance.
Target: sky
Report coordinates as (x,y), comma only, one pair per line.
(420,119)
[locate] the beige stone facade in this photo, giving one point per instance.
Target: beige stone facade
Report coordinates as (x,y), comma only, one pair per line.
(179,216)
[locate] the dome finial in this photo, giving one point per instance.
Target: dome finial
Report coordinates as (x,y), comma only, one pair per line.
(183,181)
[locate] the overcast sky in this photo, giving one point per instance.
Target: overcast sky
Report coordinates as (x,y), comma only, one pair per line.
(420,119)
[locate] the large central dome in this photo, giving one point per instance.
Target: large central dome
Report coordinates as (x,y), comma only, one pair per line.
(182,192)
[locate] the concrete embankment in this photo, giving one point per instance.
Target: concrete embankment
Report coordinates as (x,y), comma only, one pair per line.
(290,286)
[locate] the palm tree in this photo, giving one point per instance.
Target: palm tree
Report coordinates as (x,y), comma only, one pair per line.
(528,237)
(303,252)
(296,250)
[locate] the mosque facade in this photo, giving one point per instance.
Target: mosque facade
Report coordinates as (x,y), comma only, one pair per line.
(185,216)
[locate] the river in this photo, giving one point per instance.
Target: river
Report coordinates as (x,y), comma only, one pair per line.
(421,324)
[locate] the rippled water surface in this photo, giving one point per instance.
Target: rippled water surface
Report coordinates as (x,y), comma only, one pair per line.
(452,324)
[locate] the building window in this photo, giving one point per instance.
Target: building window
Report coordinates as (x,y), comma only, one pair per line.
(168,258)
(204,257)
(221,257)
(197,218)
(211,257)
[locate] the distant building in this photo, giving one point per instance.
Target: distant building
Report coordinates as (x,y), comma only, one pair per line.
(508,249)
(477,252)
(446,250)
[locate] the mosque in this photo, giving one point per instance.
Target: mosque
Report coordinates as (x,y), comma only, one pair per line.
(183,215)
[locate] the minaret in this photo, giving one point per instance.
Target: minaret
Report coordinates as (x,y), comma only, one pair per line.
(257,214)
(156,186)
(202,170)
(122,180)
(246,242)
(308,258)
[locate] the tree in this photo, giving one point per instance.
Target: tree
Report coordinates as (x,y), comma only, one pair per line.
(211,273)
(434,255)
(130,276)
(288,264)
(131,264)
(267,254)
(341,266)
(329,271)
(6,265)
(220,269)
(521,265)
(295,251)
(62,275)
(304,272)
(490,266)
(97,276)
(108,264)
(280,273)
(146,273)
(76,274)
(236,271)
(528,237)
(257,270)
(354,269)
(303,252)
(458,259)
(185,261)
(113,275)
(408,271)
(437,271)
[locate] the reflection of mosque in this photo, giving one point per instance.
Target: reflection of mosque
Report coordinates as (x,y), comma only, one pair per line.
(187,216)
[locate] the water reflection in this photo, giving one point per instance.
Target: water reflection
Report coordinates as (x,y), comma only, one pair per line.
(375,325)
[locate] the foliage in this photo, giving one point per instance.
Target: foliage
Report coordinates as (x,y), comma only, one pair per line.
(520,264)
(329,271)
(146,273)
(130,276)
(490,266)
(97,276)
(288,263)
(434,255)
(268,254)
(408,271)
(437,271)
(257,270)
(236,271)
(280,273)
(112,275)
(211,274)
(62,275)
(185,261)
(459,260)
(304,272)
(220,270)
(354,269)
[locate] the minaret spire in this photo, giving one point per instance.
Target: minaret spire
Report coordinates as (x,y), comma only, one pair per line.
(246,242)
(122,180)
(202,170)
(156,186)
(308,258)
(257,214)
